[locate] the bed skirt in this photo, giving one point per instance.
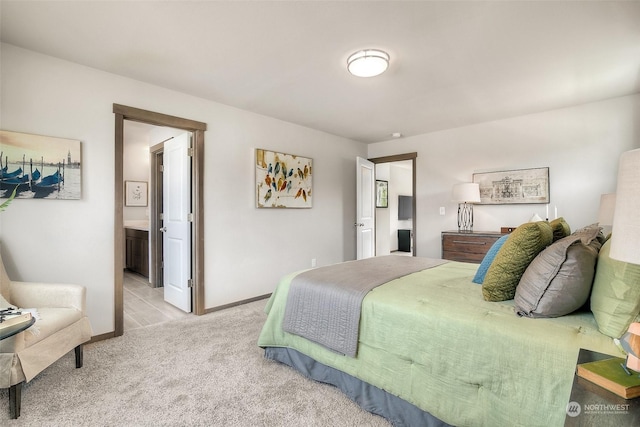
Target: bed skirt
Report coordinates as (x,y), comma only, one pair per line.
(397,411)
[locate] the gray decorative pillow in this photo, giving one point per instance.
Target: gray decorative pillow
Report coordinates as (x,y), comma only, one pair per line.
(558,281)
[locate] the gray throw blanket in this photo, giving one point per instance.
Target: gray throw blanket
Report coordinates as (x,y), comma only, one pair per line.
(323,304)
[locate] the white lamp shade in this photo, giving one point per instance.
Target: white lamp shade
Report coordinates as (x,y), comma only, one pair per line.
(625,236)
(607,208)
(368,63)
(466,192)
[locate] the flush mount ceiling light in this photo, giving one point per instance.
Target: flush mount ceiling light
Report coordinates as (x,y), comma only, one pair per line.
(368,63)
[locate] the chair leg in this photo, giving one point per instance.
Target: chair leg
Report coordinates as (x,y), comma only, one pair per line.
(15,391)
(15,399)
(79,354)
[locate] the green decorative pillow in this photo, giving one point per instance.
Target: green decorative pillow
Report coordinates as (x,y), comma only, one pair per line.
(513,258)
(615,297)
(559,279)
(560,228)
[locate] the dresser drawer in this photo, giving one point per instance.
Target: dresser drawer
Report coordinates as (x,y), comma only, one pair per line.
(467,247)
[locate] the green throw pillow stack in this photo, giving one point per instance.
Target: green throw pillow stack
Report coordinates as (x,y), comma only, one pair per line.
(551,272)
(513,258)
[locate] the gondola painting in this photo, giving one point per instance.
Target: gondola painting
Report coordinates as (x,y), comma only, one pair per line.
(40,167)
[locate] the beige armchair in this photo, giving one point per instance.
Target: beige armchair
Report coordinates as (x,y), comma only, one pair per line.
(62,327)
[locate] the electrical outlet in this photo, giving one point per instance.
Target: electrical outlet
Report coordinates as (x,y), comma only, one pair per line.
(313,262)
(441,210)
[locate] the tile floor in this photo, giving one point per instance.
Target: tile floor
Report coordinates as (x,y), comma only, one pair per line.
(399,253)
(144,305)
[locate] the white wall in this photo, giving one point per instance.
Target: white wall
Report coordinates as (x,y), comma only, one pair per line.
(581,146)
(246,250)
(138,138)
(136,166)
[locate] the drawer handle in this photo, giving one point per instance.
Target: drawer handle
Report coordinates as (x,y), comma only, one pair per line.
(466,242)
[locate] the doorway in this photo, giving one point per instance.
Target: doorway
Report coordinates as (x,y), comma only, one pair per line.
(399,226)
(197,129)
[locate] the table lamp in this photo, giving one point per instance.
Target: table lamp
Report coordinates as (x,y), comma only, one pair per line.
(466,194)
(625,237)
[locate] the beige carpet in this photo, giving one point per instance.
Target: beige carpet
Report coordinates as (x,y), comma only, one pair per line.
(199,371)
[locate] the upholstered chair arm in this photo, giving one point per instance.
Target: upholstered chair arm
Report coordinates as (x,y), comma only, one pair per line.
(36,295)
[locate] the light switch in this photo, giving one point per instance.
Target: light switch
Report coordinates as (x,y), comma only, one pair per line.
(441,210)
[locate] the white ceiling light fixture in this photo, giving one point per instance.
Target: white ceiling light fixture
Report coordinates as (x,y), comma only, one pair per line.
(368,63)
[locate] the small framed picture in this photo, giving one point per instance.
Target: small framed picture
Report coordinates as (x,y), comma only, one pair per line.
(382,194)
(135,193)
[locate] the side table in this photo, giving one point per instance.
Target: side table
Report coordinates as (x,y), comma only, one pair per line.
(591,405)
(10,331)
(15,392)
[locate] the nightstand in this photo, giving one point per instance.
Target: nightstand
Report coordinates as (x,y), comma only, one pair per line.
(592,405)
(467,246)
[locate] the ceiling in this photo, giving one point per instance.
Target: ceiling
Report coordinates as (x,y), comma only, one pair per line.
(453,63)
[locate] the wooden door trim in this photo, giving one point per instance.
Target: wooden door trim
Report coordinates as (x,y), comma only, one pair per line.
(154,227)
(122,113)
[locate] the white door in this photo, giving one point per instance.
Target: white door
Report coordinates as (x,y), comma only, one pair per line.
(366,209)
(176,209)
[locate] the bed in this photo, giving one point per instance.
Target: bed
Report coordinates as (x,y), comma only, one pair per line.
(433,351)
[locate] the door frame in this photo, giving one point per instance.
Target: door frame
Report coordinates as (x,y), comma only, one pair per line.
(156,153)
(398,158)
(122,113)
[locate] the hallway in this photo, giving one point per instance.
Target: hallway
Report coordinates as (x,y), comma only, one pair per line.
(144,305)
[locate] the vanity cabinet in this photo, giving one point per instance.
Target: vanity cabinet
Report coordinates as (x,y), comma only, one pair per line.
(137,251)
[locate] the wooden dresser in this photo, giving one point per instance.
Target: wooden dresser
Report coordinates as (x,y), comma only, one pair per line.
(467,246)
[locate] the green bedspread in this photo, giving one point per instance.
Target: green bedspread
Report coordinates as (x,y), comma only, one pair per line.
(431,339)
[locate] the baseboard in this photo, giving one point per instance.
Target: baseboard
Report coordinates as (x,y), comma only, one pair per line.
(101,337)
(234,304)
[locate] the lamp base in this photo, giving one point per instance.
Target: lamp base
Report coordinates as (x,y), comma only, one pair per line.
(465,217)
